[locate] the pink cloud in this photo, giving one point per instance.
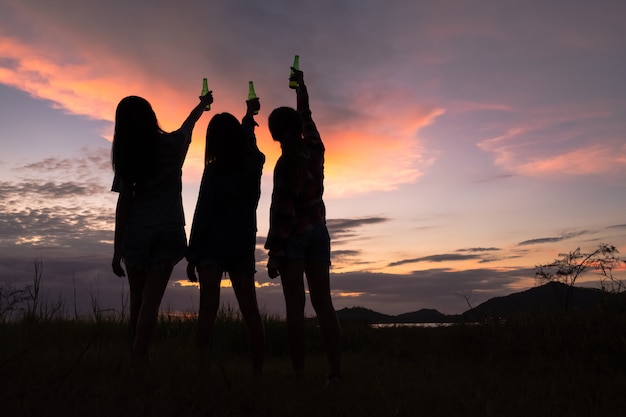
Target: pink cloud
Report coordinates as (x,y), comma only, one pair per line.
(535,147)
(592,159)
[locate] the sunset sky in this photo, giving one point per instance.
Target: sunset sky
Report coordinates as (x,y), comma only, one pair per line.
(467,141)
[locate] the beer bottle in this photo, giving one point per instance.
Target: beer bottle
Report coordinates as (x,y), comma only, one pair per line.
(296,64)
(251,94)
(205,90)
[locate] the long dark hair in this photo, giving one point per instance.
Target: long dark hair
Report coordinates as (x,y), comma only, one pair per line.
(133,154)
(225,144)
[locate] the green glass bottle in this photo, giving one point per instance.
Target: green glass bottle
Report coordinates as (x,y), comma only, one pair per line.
(251,94)
(296,64)
(205,90)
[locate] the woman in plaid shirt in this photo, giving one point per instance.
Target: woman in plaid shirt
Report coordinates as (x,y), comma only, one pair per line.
(298,240)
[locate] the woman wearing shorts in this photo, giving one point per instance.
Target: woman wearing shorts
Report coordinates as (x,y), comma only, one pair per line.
(223,232)
(149,220)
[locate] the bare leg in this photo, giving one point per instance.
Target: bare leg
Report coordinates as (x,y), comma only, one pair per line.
(210,278)
(136,282)
(319,288)
(246,297)
(291,273)
(153,290)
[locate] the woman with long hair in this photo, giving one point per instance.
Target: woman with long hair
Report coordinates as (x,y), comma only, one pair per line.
(223,232)
(149,220)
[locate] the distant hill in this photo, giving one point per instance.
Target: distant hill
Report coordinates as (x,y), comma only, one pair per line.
(370,316)
(548,297)
(425,315)
(364,314)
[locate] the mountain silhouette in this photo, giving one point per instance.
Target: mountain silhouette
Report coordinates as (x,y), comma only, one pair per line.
(553,296)
(366,315)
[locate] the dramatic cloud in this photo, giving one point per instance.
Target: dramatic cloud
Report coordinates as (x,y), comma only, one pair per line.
(395,294)
(479,250)
(85,283)
(447,125)
(49,189)
(617,226)
(565,236)
(449,257)
(37,212)
(342,253)
(381,154)
(86,69)
(346,228)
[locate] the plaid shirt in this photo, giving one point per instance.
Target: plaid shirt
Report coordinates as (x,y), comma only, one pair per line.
(297,203)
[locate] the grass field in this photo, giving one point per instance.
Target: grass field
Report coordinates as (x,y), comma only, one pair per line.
(544,365)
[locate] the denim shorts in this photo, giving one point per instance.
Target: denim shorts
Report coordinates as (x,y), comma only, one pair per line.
(151,246)
(312,245)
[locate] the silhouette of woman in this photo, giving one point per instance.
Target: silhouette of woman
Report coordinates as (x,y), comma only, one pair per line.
(149,219)
(223,233)
(298,241)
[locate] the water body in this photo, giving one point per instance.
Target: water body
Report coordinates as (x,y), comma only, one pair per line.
(383,325)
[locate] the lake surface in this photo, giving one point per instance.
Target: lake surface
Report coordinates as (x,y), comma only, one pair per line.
(383,325)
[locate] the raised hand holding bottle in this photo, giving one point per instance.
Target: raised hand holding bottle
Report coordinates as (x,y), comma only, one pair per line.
(296,65)
(205,91)
(253,99)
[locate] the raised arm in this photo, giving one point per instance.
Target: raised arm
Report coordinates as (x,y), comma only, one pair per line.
(309,128)
(302,95)
(248,123)
(197,111)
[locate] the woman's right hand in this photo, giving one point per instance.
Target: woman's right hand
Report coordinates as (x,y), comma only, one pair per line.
(191,272)
(253,106)
(117,265)
(297,76)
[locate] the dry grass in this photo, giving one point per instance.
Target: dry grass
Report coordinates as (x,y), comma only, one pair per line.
(538,365)
(552,366)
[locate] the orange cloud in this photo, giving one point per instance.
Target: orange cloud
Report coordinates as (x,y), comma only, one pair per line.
(74,87)
(370,151)
(375,149)
(378,150)
(92,83)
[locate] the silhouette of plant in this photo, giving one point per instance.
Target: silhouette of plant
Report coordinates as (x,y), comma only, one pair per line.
(11,299)
(572,265)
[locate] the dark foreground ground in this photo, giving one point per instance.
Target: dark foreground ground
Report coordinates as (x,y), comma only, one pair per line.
(544,365)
